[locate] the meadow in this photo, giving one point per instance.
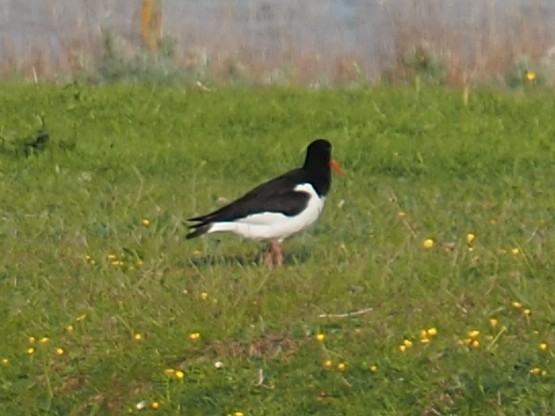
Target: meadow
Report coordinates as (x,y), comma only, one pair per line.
(426,288)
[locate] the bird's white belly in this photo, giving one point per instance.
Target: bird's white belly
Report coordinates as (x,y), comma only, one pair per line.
(274,225)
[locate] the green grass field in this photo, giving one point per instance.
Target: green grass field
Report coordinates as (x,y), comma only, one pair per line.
(106,308)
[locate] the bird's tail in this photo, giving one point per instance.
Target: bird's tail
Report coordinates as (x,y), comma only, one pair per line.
(198,230)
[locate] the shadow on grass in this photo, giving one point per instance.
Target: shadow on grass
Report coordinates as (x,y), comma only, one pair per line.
(293,257)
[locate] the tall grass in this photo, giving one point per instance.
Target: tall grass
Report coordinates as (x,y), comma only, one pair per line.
(291,43)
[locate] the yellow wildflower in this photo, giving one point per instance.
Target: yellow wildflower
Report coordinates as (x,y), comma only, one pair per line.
(493,322)
(465,341)
(145,222)
(328,363)
(341,367)
(59,351)
(474,334)
(543,346)
(138,336)
(320,337)
(30,350)
(536,371)
(195,336)
(530,75)
(155,405)
(470,237)
(5,361)
(428,243)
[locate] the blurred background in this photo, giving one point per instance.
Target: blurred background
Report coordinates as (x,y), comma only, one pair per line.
(315,42)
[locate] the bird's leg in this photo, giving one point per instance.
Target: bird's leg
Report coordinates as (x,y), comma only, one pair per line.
(268,256)
(278,255)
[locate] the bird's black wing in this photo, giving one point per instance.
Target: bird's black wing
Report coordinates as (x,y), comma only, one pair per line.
(276,195)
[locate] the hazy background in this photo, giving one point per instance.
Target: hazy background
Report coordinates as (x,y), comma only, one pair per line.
(313,39)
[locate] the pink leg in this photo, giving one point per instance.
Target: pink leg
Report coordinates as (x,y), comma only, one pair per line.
(268,256)
(278,255)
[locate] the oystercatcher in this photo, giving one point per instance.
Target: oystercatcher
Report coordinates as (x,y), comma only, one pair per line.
(278,208)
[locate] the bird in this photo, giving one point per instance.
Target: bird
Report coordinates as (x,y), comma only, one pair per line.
(278,208)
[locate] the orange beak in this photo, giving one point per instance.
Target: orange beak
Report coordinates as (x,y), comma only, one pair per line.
(336,167)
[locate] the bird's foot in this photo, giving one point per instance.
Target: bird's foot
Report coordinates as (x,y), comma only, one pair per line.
(268,257)
(273,255)
(278,255)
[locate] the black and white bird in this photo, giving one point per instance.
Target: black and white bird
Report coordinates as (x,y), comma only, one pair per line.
(279,208)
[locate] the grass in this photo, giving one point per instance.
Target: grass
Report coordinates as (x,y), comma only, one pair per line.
(107,309)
